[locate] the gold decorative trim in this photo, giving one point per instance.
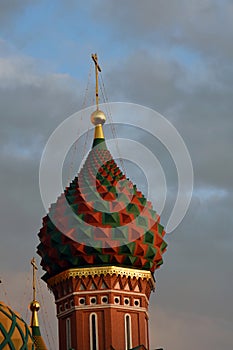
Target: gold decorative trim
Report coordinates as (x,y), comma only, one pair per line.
(101,270)
(99,134)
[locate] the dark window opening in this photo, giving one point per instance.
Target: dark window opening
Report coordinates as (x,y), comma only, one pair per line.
(94,336)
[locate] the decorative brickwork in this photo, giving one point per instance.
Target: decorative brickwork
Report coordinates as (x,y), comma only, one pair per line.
(110,298)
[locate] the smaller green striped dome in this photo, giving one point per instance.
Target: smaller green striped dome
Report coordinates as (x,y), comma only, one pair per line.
(14,332)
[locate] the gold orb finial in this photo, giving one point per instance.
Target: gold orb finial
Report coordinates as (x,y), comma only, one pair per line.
(34,306)
(98,117)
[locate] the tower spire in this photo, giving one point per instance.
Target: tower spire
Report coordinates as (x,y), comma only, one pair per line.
(35,307)
(98,117)
(100,256)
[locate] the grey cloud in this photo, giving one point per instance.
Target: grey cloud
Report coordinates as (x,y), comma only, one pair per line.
(147,79)
(200,108)
(188,330)
(201,26)
(32,103)
(9,9)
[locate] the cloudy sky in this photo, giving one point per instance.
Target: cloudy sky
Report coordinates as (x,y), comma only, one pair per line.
(172,56)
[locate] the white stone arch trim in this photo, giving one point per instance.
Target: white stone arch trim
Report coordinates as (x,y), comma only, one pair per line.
(128,332)
(92,345)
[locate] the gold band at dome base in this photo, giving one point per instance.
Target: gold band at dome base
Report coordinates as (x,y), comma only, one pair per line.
(34,319)
(99,134)
(100,270)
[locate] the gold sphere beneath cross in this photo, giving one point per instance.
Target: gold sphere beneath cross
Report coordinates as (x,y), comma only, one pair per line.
(98,117)
(34,306)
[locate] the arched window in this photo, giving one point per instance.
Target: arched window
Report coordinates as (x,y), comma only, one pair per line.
(68,334)
(128,332)
(93,332)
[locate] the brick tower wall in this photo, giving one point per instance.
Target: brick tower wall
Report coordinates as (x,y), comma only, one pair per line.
(104,311)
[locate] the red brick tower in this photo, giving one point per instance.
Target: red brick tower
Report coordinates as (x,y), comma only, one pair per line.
(100,244)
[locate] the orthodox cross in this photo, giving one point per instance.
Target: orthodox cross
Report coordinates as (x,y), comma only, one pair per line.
(97,70)
(34,268)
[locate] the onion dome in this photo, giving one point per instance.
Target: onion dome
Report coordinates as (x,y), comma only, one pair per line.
(101,219)
(14,332)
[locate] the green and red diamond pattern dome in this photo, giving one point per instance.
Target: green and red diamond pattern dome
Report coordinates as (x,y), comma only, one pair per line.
(101,219)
